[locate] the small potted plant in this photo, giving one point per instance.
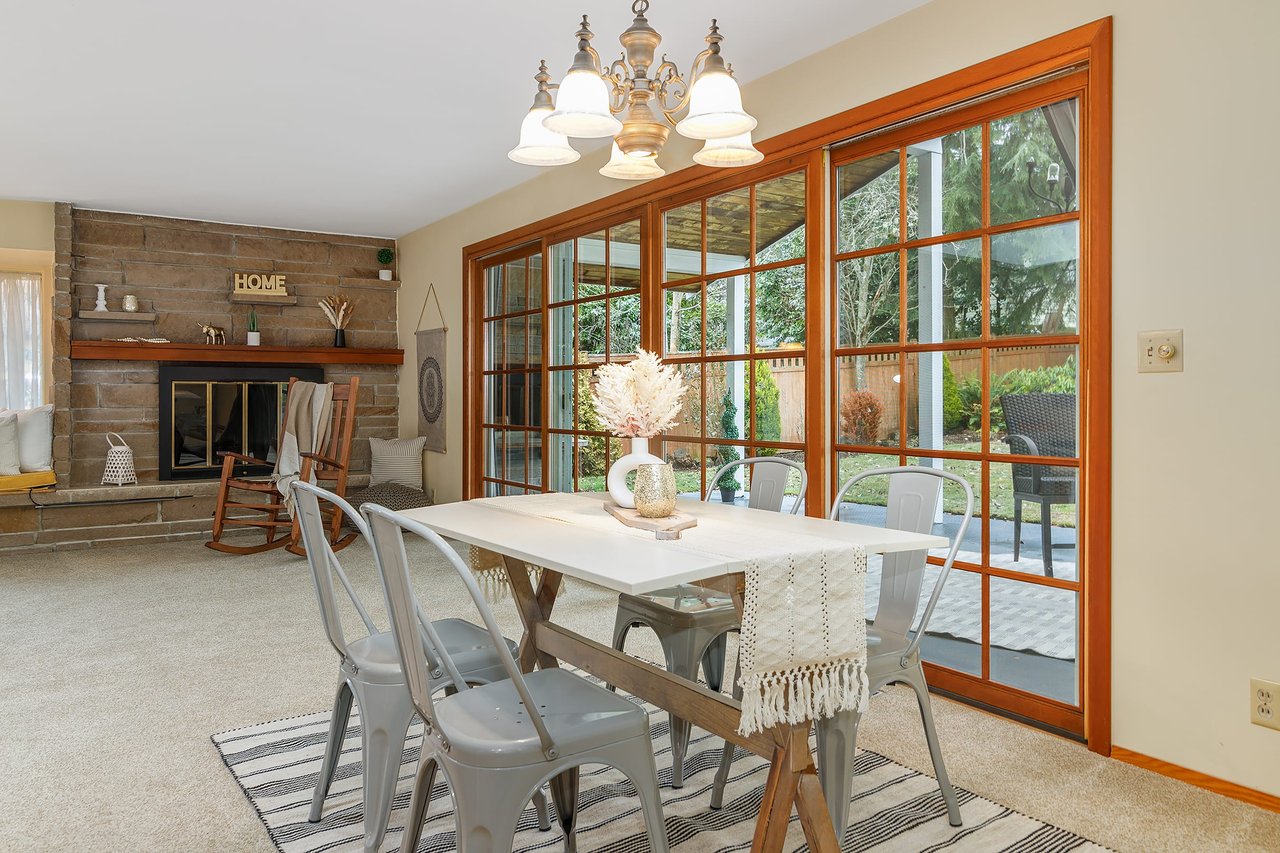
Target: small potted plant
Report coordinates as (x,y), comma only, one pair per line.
(253,336)
(338,310)
(385,257)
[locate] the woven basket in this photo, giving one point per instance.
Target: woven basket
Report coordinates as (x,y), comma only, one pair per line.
(119,470)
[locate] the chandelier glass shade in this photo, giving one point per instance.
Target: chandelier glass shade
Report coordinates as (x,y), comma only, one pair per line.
(728,152)
(638,104)
(630,167)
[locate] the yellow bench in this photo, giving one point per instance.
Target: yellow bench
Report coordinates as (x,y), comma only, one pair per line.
(24,482)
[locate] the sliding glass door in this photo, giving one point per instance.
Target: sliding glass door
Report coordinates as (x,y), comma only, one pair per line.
(957,296)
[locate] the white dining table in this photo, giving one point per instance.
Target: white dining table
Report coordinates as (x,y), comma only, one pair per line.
(624,562)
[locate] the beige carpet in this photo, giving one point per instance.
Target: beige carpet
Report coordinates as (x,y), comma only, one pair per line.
(119,663)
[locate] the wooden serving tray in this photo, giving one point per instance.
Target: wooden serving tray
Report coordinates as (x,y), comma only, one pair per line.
(662,528)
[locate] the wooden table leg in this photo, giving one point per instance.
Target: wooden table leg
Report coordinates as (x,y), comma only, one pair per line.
(793,779)
(534,607)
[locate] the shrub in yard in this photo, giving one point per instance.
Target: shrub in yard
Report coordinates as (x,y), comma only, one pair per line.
(954,414)
(768,410)
(591,454)
(860,414)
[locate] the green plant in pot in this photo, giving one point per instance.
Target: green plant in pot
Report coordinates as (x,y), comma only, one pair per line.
(385,258)
(252,337)
(728,483)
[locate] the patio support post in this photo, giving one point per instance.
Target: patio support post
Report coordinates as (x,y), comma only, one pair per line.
(929,273)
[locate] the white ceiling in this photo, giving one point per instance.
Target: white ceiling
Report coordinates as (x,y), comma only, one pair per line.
(357,117)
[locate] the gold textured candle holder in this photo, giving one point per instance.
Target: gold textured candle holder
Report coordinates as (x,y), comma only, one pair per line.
(655,490)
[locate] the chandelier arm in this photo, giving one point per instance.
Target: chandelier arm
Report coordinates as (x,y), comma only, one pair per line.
(619,78)
(673,87)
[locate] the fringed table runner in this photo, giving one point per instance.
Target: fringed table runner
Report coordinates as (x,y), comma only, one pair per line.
(804,639)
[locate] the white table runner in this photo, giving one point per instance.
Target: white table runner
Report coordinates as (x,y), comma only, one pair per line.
(804,641)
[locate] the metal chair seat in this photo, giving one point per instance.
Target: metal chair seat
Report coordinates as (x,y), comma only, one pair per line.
(488,726)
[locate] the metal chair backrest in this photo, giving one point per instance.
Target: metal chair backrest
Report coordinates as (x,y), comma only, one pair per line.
(914,494)
(768,481)
(324,562)
(386,528)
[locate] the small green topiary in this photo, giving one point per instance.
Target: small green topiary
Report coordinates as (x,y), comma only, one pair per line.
(386,256)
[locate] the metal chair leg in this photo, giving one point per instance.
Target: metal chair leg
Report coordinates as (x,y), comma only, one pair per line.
(683,657)
(837,744)
(564,791)
(726,754)
(385,714)
(915,678)
(332,749)
(713,660)
(419,802)
(540,806)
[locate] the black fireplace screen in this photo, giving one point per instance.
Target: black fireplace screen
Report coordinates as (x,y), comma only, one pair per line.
(205,410)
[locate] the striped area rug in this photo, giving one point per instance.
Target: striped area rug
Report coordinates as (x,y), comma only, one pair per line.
(894,808)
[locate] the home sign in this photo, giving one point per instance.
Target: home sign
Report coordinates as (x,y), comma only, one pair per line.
(262,288)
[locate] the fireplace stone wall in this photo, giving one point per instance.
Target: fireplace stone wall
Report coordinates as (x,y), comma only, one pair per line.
(181,270)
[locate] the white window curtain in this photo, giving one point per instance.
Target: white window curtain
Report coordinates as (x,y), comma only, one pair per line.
(21,341)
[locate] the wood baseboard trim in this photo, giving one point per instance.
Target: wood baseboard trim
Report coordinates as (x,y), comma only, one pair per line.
(1200,780)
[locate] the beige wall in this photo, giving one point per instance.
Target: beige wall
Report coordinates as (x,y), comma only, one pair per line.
(26,245)
(1196,580)
(26,225)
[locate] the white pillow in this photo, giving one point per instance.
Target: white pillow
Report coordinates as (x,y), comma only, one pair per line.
(396,461)
(9,444)
(35,439)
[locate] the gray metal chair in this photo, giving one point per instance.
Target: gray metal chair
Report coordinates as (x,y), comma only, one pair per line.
(1041,425)
(893,648)
(693,623)
(369,671)
(497,743)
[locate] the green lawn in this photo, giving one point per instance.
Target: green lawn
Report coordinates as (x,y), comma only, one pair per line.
(874,491)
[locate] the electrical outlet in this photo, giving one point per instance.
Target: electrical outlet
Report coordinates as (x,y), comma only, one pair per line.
(1264,703)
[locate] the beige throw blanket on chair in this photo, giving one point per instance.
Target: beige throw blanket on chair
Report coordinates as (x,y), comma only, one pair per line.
(307,418)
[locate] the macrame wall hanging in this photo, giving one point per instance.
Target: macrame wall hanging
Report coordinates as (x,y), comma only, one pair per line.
(431,376)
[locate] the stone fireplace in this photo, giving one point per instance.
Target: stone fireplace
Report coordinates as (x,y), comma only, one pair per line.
(181,273)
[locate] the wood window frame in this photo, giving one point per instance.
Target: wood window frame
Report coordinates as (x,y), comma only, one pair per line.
(1087,50)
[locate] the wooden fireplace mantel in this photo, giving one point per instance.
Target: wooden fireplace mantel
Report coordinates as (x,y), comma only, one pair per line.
(230,354)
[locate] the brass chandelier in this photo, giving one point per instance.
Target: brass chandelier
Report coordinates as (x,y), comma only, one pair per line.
(590,99)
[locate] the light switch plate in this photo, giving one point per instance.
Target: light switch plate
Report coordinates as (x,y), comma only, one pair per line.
(1160,351)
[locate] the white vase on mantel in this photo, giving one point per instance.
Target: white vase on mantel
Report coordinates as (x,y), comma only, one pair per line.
(617,479)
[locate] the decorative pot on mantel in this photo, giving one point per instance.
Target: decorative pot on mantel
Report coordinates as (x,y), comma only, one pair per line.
(617,478)
(339,337)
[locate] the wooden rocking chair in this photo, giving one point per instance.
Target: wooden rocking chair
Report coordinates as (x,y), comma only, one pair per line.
(329,469)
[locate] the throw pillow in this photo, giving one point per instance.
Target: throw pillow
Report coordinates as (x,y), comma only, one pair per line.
(35,439)
(396,461)
(9,445)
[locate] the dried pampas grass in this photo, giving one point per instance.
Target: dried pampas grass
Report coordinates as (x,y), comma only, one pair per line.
(640,398)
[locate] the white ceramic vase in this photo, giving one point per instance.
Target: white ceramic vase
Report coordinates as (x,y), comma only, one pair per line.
(253,339)
(617,479)
(384,275)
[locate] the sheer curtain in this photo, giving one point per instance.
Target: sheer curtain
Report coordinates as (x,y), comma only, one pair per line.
(21,344)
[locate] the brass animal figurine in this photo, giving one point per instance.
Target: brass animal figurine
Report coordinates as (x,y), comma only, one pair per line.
(213,334)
